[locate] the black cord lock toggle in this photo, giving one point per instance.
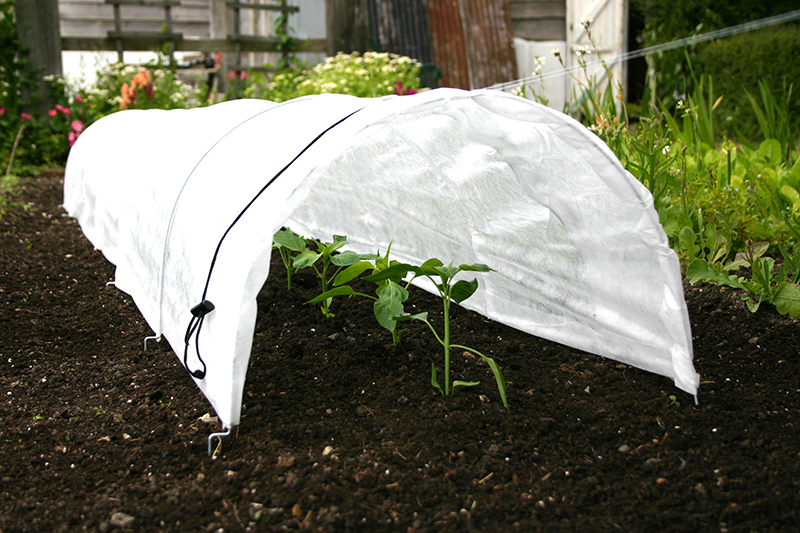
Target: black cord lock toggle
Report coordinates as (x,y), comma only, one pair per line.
(202,309)
(199,313)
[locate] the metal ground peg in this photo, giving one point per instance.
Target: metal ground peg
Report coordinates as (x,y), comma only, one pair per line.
(226,432)
(156,338)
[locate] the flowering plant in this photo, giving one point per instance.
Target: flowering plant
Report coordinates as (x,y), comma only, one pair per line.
(368,75)
(121,87)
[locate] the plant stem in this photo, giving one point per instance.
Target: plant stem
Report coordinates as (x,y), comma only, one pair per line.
(14,149)
(446,302)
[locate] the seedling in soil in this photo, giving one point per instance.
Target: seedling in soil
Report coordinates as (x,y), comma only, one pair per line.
(325,258)
(389,294)
(442,278)
(286,242)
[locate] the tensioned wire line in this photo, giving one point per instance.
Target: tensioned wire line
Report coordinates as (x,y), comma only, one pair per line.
(655,49)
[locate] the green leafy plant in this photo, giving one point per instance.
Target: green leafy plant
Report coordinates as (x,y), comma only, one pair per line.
(765,286)
(390,294)
(450,291)
(773,118)
(324,258)
(287,44)
(286,242)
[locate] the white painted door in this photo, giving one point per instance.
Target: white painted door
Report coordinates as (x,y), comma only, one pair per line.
(605,39)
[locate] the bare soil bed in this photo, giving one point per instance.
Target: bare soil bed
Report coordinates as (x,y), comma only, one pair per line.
(342,431)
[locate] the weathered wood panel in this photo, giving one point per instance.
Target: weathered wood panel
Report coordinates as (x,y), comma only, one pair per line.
(539,20)
(472,42)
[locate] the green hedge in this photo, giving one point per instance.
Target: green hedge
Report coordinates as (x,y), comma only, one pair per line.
(737,63)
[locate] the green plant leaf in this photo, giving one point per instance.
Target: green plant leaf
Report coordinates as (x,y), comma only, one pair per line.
(422,317)
(475,267)
(396,272)
(389,304)
(344,290)
(700,271)
(787,299)
(305,259)
(498,377)
(435,380)
(287,239)
(428,268)
(463,289)
(352,272)
(457,383)
(770,149)
(445,272)
(345,258)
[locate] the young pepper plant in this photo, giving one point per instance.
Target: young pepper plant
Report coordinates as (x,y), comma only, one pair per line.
(286,242)
(389,293)
(450,291)
(324,256)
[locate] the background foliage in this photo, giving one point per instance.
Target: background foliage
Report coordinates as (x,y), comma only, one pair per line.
(669,20)
(737,64)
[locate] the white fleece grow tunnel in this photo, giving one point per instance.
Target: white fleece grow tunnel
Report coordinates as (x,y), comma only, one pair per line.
(468,177)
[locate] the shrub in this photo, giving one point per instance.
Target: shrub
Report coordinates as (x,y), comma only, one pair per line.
(669,20)
(738,63)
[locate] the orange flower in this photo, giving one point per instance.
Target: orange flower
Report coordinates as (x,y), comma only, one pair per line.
(127,96)
(142,79)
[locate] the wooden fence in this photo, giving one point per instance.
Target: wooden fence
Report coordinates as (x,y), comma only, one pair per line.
(184,25)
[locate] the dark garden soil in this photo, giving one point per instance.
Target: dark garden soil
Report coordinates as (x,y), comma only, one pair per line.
(342,431)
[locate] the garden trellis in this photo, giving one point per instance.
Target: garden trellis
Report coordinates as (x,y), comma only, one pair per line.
(185,204)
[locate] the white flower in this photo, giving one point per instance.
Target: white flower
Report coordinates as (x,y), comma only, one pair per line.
(540,60)
(583,51)
(586,22)
(556,52)
(667,149)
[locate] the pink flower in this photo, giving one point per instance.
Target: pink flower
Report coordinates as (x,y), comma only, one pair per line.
(399,90)
(243,75)
(77,126)
(72,136)
(25,116)
(63,109)
(78,98)
(217,59)
(2,111)
(231,74)
(52,113)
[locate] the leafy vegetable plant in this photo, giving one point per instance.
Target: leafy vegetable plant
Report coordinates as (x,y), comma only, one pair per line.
(286,242)
(325,258)
(779,288)
(450,292)
(389,294)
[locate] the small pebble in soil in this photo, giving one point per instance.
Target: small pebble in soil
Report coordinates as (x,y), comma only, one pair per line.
(121,520)
(624,448)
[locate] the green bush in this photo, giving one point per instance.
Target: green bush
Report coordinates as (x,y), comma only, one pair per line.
(669,20)
(737,64)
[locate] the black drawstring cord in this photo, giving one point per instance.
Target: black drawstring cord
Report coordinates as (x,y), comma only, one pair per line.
(200,310)
(199,313)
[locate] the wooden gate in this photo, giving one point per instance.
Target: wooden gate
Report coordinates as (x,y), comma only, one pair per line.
(608,28)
